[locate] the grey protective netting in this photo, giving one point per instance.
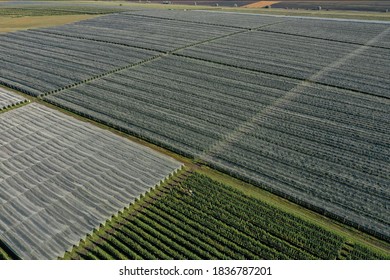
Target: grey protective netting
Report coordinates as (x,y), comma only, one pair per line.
(321,146)
(8,99)
(60,178)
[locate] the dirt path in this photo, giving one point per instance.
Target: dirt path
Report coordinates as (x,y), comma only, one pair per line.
(261,4)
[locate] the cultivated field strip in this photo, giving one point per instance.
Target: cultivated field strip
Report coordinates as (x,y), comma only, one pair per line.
(218,19)
(191,127)
(62,178)
(54,10)
(342,31)
(8,99)
(203,219)
(151,33)
(37,63)
(347,66)
(321,146)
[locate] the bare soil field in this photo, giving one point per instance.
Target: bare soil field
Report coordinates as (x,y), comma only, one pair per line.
(261,4)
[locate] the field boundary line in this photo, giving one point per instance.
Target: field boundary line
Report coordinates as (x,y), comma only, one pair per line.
(183,20)
(103,234)
(208,23)
(133,13)
(95,40)
(243,30)
(14,106)
(99,76)
(155,57)
(281,75)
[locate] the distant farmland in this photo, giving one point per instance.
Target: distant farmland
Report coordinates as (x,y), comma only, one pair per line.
(296,107)
(338,5)
(341,5)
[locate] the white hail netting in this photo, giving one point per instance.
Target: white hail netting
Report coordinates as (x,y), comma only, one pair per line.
(60,178)
(8,98)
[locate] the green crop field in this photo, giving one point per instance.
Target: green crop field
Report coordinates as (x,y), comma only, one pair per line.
(203,219)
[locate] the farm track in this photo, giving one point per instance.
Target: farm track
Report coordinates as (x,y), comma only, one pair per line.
(131,65)
(36,74)
(163,53)
(252,27)
(174,52)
